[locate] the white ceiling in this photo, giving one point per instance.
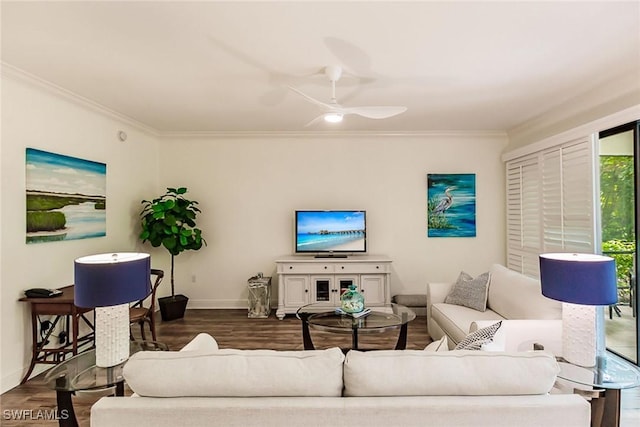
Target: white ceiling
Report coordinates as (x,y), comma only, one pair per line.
(179,66)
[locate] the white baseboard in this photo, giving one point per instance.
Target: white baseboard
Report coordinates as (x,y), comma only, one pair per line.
(212,304)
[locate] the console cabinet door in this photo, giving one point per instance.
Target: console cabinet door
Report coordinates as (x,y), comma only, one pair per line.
(373,289)
(323,290)
(343,282)
(296,291)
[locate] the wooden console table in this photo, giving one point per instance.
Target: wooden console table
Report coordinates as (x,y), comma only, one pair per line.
(61,307)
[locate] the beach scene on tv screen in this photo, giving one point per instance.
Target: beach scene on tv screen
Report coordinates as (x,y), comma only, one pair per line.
(330,231)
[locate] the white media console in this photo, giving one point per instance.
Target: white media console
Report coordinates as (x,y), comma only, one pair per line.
(304,280)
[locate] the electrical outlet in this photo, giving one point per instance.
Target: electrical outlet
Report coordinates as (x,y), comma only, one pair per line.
(193,278)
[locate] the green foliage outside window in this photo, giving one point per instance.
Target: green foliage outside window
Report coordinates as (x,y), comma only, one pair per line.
(618,216)
(617,198)
(622,252)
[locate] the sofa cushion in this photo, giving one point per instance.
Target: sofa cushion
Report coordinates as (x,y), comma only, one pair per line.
(239,373)
(457,372)
(469,292)
(516,296)
(440,345)
(560,410)
(455,320)
(522,334)
(476,339)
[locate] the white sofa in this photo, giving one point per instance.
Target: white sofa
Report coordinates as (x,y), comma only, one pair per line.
(527,316)
(204,386)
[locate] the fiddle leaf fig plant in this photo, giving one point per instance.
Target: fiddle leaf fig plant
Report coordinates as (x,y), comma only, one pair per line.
(169,220)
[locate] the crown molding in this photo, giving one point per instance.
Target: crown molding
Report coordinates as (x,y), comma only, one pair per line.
(17,74)
(605,99)
(627,115)
(327,134)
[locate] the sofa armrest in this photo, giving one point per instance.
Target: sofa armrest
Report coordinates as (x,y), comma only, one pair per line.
(436,293)
(201,342)
(520,335)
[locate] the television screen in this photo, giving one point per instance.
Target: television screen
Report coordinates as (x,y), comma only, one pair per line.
(330,231)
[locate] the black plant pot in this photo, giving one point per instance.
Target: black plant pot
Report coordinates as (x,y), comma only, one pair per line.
(172,308)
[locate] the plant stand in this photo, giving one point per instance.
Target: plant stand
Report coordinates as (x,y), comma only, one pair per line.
(172,308)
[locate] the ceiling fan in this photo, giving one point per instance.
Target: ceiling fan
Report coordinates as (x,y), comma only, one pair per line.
(334,112)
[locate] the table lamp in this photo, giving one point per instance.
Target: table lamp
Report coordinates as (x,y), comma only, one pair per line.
(108,283)
(582,282)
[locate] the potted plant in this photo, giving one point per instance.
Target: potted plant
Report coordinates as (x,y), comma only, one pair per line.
(169,221)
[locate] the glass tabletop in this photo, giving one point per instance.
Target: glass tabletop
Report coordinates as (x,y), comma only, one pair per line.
(81,373)
(613,373)
(324,317)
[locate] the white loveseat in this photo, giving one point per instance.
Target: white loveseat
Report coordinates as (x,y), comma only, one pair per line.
(527,316)
(204,386)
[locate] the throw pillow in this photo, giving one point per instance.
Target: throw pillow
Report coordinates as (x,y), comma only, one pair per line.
(475,340)
(470,292)
(441,345)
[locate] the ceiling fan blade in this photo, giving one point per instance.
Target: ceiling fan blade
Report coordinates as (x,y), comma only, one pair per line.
(320,104)
(334,111)
(314,121)
(375,112)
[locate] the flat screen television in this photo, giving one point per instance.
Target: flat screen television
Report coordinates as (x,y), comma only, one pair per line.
(331,232)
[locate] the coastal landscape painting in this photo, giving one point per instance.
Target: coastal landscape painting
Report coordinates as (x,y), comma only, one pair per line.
(451,201)
(66,197)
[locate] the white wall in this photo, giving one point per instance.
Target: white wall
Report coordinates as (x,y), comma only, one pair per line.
(249,187)
(33,117)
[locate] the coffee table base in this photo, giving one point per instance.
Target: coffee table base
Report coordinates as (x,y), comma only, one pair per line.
(307,342)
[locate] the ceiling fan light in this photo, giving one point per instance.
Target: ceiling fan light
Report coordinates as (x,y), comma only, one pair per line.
(333,117)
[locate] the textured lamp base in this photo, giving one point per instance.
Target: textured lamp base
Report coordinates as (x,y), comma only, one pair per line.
(112,335)
(579,334)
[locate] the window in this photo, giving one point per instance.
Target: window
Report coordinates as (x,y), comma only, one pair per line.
(550,206)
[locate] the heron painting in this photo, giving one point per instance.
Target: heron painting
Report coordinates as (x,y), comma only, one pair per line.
(451,201)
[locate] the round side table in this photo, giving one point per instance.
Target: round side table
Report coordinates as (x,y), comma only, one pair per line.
(603,383)
(80,373)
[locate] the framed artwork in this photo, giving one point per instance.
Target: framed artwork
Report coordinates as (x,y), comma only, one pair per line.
(451,205)
(66,197)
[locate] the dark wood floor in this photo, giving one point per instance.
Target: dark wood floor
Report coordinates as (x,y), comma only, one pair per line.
(231,328)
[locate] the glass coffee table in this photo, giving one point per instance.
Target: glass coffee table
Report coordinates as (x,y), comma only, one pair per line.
(323,317)
(80,373)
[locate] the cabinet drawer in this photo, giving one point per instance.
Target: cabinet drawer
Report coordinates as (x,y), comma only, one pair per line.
(305,268)
(362,268)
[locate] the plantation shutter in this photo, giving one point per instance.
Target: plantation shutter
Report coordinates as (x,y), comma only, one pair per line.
(523,214)
(550,204)
(568,205)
